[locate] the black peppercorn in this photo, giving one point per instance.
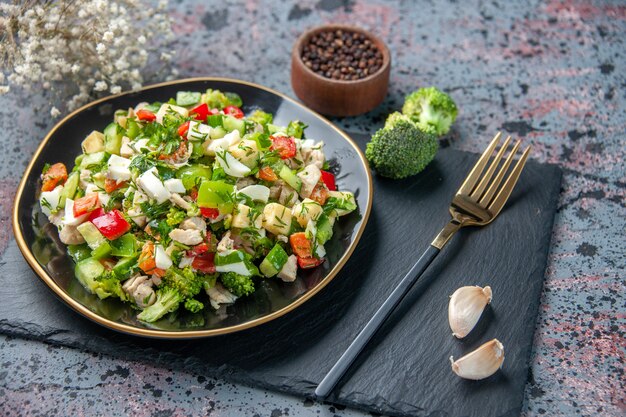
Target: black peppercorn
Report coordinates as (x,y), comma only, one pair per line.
(342,55)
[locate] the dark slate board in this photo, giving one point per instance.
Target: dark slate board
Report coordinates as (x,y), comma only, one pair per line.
(405,371)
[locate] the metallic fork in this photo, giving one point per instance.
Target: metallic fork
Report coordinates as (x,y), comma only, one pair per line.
(477,203)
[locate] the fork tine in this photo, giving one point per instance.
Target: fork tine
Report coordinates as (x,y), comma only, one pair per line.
(497,204)
(478,191)
(485,199)
(474,174)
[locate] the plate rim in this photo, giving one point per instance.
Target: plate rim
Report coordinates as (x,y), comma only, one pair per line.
(185,334)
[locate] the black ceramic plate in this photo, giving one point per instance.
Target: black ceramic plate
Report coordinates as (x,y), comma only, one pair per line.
(38,240)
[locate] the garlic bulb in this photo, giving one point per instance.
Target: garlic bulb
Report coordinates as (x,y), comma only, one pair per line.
(466,306)
(481,363)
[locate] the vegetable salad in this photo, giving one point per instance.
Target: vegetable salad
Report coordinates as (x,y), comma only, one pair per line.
(191,202)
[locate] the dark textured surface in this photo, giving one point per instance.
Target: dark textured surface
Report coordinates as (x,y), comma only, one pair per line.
(551,71)
(406,370)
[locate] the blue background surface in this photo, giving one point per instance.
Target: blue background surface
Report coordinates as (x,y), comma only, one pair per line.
(550,72)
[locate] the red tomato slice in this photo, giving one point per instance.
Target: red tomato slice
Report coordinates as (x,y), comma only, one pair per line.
(233,111)
(319,193)
(56,174)
(286,146)
(85,204)
(204,263)
(209,213)
(183,129)
(267,174)
(146,115)
(310,262)
(112,224)
(329,180)
(201,111)
(300,245)
(198,250)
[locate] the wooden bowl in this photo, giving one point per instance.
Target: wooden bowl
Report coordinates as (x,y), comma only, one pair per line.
(339,97)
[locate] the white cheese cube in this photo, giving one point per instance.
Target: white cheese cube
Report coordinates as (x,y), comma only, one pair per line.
(174,185)
(198,131)
(276,219)
(118,168)
(306,210)
(310,176)
(49,200)
(161,259)
(170,108)
(231,166)
(244,217)
(256,192)
(153,186)
(246,151)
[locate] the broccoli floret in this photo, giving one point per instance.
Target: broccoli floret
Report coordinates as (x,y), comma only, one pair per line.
(237,284)
(296,129)
(175,216)
(260,117)
(109,285)
(432,110)
(185,281)
(215,99)
(400,149)
(168,300)
(193,305)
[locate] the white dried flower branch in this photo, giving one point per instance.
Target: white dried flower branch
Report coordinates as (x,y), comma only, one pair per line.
(83,48)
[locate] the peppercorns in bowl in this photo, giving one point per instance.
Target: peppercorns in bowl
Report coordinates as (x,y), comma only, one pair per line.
(340,70)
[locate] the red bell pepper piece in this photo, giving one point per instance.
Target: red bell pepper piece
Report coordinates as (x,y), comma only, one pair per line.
(85,204)
(209,213)
(145,115)
(204,263)
(183,129)
(56,174)
(309,262)
(284,145)
(201,111)
(96,213)
(234,111)
(112,224)
(329,180)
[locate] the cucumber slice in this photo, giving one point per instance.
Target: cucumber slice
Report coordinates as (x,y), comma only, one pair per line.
(91,234)
(92,159)
(324,229)
(87,272)
(187,98)
(123,266)
(290,178)
(232,123)
(274,261)
(69,188)
(113,138)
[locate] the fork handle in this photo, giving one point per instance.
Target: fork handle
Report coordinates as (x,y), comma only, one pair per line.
(348,357)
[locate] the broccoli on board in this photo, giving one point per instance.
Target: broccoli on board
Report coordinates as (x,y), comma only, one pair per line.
(432,110)
(400,148)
